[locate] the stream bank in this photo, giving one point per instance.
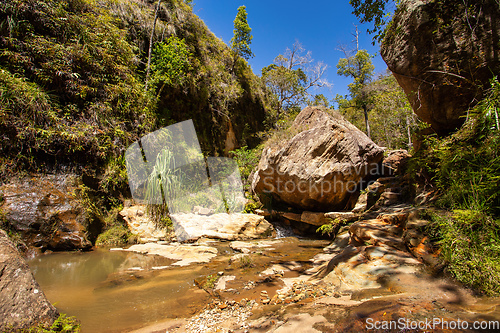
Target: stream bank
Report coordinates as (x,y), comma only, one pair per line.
(371,274)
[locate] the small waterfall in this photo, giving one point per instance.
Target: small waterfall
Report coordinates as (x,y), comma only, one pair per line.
(283,230)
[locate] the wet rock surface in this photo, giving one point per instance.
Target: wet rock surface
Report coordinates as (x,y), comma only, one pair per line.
(186,254)
(46,212)
(22,303)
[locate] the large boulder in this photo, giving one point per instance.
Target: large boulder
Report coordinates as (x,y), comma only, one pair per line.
(443,54)
(22,302)
(46,212)
(321,167)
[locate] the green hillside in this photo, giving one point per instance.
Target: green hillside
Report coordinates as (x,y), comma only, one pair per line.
(73,74)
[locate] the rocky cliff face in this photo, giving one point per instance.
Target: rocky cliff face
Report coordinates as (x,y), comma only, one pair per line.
(443,53)
(22,303)
(46,213)
(321,167)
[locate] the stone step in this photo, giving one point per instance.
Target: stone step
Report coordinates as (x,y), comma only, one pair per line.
(377,232)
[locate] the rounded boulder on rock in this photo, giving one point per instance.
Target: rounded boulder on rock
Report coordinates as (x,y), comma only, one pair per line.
(320,168)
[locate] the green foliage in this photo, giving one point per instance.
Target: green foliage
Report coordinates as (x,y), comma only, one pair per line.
(320,100)
(470,245)
(251,206)
(465,168)
(117,235)
(466,165)
(116,231)
(247,160)
(80,54)
(63,324)
(377,12)
(360,68)
(287,87)
(210,282)
(71,82)
(391,116)
(289,79)
(171,63)
(246,262)
(161,184)
(115,179)
(240,43)
(330,228)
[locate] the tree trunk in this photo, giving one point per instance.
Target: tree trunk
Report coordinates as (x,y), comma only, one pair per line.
(410,144)
(367,124)
(148,67)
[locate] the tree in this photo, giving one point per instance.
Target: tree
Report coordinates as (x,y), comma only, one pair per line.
(290,78)
(392,119)
(360,68)
(376,11)
(319,100)
(240,43)
(170,63)
(148,66)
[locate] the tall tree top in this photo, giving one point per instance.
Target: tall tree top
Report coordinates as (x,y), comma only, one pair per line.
(240,43)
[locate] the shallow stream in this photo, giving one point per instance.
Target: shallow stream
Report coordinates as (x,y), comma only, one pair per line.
(117,291)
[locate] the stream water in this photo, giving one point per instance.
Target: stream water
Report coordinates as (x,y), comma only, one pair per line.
(116,291)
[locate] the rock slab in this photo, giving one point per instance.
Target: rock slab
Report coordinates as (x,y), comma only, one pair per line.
(22,302)
(190,227)
(320,168)
(186,254)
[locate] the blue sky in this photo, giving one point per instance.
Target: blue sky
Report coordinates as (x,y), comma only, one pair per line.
(320,26)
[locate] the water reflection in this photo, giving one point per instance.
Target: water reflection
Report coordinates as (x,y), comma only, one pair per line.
(120,291)
(114,291)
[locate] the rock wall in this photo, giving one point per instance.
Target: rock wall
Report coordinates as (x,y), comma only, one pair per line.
(46,212)
(443,54)
(22,303)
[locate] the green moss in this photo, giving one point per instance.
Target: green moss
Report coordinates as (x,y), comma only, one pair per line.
(116,236)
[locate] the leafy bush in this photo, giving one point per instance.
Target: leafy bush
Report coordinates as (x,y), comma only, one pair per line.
(470,245)
(247,160)
(465,167)
(117,235)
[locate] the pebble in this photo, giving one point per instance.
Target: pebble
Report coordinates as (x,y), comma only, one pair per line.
(210,319)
